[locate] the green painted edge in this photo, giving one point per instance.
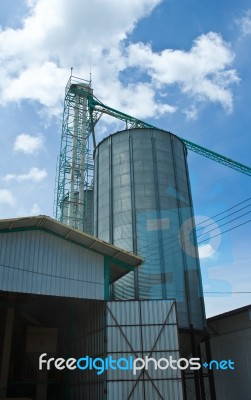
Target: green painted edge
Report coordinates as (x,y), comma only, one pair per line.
(107,278)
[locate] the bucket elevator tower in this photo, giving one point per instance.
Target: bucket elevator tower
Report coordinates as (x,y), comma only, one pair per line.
(75,162)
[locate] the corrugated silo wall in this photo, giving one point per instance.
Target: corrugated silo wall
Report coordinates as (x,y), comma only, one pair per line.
(142,199)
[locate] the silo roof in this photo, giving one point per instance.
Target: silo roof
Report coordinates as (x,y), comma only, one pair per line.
(117,255)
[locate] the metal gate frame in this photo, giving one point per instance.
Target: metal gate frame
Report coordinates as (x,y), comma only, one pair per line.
(169,319)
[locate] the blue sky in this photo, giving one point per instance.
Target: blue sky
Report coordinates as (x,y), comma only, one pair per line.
(180,65)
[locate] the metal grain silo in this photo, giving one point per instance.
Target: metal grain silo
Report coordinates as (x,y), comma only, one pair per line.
(142,203)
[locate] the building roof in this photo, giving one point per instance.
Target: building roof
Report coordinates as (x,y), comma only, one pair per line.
(118,256)
(230,313)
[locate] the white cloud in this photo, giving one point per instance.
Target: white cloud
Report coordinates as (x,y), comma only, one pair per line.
(57,34)
(35,209)
(206,251)
(142,103)
(191,113)
(35,174)
(202,72)
(244,23)
(28,210)
(7,198)
(27,143)
(39,82)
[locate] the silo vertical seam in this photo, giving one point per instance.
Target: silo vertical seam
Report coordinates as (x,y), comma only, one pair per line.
(160,236)
(110,172)
(133,208)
